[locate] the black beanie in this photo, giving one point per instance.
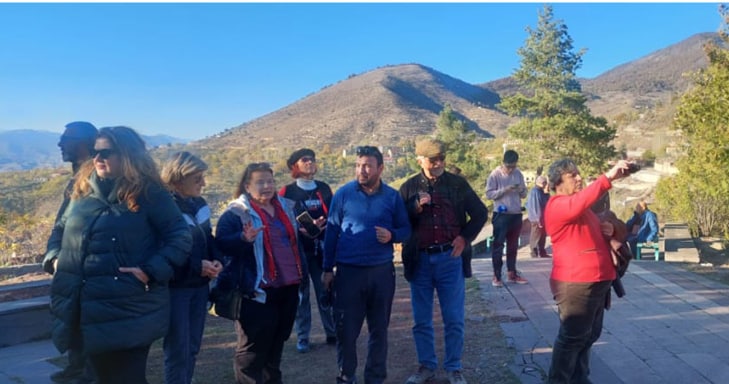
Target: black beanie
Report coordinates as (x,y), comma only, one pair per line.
(299,153)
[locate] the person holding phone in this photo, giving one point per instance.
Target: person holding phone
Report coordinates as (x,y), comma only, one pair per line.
(505,186)
(446,215)
(313,198)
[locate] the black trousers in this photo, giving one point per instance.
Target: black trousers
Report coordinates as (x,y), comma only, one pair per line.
(363,292)
(262,331)
(121,367)
(581,310)
(507,229)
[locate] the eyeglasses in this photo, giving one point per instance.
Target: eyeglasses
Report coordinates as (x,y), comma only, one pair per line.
(436,158)
(366,150)
(104,153)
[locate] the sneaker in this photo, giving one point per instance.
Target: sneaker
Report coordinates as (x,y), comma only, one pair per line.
(423,375)
(346,380)
(303,346)
(332,340)
(66,376)
(516,279)
(496,282)
(456,377)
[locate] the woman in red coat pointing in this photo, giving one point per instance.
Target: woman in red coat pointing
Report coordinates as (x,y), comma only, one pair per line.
(582,268)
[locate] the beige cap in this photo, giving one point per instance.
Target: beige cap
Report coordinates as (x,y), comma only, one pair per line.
(429,148)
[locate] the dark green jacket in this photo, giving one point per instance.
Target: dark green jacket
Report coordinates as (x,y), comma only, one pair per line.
(90,298)
(470,211)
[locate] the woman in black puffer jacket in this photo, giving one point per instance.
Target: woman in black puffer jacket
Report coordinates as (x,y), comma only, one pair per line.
(116,244)
(184,176)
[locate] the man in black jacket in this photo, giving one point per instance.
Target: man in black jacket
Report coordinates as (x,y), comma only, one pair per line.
(446,215)
(77,146)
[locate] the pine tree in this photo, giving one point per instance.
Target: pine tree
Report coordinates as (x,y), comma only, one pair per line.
(699,192)
(458,140)
(554,119)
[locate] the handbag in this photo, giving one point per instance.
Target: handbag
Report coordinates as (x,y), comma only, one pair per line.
(226,303)
(225,297)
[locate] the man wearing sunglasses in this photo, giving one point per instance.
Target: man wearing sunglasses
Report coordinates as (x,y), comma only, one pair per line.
(77,146)
(505,186)
(366,218)
(446,215)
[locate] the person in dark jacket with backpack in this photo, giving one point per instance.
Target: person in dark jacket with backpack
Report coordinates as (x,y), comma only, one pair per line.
(183,174)
(116,245)
(314,197)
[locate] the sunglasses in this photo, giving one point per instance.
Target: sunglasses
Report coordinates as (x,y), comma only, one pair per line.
(104,153)
(258,166)
(436,158)
(366,150)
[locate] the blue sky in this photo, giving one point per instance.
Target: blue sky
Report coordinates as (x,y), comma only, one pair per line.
(192,70)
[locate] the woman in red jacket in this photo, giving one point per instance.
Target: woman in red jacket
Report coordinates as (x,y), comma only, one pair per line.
(582,268)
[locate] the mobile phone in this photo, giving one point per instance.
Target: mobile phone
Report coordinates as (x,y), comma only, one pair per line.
(307,222)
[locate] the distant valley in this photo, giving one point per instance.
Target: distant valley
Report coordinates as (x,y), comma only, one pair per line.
(25,149)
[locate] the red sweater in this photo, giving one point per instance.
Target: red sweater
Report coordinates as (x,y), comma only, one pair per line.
(579,250)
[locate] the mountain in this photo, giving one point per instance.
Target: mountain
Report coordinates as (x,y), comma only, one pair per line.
(24,149)
(392,103)
(387,104)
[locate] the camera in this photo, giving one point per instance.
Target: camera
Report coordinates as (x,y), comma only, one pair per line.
(633,168)
(326,300)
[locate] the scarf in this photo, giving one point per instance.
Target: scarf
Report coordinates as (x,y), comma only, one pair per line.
(281,215)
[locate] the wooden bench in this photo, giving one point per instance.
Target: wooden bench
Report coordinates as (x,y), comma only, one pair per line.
(650,245)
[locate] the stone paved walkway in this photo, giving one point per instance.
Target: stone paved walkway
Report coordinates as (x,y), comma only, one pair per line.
(671,327)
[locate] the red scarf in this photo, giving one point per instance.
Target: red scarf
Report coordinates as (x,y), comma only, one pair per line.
(281,215)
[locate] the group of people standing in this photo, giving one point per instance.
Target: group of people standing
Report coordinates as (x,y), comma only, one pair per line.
(132,255)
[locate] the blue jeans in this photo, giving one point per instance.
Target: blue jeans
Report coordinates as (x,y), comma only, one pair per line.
(507,229)
(443,273)
(188,310)
(303,313)
(581,310)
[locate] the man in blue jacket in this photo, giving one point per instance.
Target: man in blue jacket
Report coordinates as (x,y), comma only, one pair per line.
(643,227)
(366,218)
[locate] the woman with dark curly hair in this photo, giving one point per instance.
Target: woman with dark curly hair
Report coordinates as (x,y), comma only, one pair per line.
(582,266)
(116,245)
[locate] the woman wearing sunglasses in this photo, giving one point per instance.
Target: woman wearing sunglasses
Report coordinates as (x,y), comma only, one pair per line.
(116,244)
(259,232)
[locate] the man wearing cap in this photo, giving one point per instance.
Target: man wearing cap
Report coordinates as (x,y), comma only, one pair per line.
(505,186)
(77,146)
(445,215)
(537,200)
(314,197)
